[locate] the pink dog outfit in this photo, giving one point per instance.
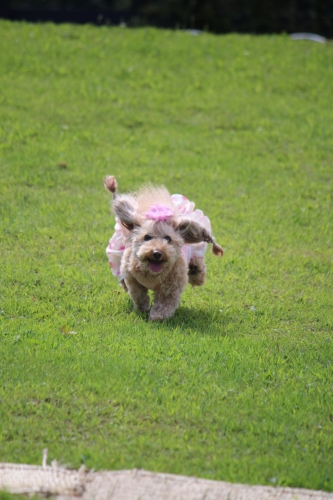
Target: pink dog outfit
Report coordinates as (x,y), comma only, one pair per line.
(116,246)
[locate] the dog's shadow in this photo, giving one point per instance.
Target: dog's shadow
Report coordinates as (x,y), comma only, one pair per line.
(205,321)
(189,320)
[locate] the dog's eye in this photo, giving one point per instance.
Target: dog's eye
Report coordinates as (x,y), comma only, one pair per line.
(167,238)
(148,237)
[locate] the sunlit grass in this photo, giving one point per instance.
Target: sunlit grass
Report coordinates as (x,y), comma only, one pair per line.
(238,385)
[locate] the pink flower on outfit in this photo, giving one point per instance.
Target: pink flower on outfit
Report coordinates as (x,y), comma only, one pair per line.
(116,246)
(159,212)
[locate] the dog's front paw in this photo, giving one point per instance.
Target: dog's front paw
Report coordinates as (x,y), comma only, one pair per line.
(160,312)
(156,317)
(144,309)
(123,285)
(143,305)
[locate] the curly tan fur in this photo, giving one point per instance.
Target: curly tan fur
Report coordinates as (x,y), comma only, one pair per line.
(153,259)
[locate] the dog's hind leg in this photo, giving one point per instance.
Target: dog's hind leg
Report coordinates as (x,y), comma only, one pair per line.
(197,271)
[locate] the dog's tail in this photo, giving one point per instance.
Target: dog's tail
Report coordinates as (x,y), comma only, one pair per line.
(111,184)
(217,250)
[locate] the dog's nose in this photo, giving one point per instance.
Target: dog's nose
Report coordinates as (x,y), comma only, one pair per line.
(157,255)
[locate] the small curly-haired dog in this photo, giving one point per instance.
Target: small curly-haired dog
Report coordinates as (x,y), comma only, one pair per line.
(159,245)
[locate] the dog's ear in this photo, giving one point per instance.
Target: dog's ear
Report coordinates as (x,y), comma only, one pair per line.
(192,232)
(125,208)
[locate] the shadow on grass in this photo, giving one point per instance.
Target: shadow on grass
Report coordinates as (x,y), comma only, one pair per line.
(190,320)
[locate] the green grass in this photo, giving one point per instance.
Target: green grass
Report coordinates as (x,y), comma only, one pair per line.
(239,384)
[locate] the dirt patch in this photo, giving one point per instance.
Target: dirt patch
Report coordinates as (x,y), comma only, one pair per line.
(65,484)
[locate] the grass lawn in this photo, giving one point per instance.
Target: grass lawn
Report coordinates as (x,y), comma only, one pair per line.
(239,384)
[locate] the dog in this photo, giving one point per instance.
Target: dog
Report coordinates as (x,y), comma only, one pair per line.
(159,244)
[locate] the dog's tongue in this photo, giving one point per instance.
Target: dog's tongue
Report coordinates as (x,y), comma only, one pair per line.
(155,266)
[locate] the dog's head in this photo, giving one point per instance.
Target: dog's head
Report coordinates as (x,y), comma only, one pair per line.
(158,235)
(156,245)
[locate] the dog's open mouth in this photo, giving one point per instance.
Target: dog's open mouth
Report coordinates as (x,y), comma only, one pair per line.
(154,266)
